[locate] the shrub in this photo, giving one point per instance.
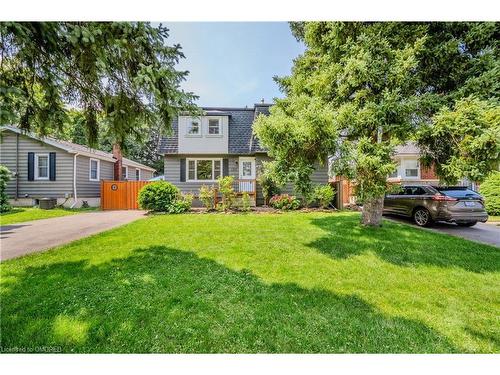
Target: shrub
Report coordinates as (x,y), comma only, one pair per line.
(284,202)
(245,202)
(207,197)
(324,194)
(5,175)
(490,190)
(268,183)
(158,196)
(227,192)
(181,205)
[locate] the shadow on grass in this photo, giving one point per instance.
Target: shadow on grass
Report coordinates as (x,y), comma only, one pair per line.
(164,300)
(402,245)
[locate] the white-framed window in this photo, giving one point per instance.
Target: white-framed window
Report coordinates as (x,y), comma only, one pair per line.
(214,126)
(194,127)
(204,169)
(411,168)
(137,174)
(395,174)
(41,166)
(124,173)
(94,169)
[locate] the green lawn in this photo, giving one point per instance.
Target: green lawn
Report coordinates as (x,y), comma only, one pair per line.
(21,214)
(494,218)
(293,282)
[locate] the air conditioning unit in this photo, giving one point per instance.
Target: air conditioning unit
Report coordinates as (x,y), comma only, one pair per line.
(47,203)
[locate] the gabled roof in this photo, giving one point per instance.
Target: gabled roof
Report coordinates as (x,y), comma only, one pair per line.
(409,148)
(241,138)
(74,148)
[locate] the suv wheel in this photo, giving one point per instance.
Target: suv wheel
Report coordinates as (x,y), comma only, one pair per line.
(469,224)
(422,217)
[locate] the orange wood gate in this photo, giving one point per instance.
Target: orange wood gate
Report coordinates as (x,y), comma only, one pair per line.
(120,195)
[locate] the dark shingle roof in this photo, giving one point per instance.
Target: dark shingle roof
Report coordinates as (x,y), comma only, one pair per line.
(241,138)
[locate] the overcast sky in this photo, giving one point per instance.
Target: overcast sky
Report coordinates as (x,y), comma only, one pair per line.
(233,64)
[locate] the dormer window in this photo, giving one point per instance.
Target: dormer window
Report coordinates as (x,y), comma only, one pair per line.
(214,127)
(194,127)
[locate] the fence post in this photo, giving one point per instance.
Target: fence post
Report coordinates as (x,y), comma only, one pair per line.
(215,197)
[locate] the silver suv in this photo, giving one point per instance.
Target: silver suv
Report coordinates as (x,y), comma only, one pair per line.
(426,204)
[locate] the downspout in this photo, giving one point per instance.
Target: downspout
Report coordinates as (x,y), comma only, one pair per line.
(75,197)
(17,166)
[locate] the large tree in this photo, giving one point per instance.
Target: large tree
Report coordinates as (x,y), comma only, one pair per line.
(121,75)
(375,86)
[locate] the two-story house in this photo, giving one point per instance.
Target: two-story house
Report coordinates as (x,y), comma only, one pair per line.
(220,143)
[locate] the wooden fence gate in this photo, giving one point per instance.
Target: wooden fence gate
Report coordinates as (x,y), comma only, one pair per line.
(120,195)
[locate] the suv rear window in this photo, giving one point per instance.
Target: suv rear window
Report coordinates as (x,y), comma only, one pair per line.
(459,193)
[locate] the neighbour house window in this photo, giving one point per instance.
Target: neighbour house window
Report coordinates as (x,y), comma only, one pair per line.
(395,174)
(411,168)
(204,169)
(194,127)
(41,167)
(213,127)
(94,170)
(137,174)
(124,173)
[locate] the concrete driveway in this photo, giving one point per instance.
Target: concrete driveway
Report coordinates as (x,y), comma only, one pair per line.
(38,235)
(481,232)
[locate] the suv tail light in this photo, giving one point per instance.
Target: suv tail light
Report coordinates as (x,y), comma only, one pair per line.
(440,197)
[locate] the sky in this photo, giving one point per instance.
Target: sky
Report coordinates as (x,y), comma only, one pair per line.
(232,64)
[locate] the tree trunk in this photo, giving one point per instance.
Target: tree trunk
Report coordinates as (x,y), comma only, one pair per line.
(372,212)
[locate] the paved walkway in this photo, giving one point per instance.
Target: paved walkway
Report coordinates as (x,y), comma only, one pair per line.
(481,232)
(38,235)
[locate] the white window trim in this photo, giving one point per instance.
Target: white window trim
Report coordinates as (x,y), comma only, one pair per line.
(196,169)
(219,135)
(98,170)
(126,172)
(240,168)
(137,178)
(403,169)
(37,177)
(200,128)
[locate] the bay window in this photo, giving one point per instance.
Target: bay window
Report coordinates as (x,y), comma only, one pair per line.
(204,169)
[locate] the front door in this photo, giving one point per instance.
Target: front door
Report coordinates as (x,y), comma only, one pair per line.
(246,174)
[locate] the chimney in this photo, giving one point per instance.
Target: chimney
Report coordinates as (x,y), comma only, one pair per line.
(117,154)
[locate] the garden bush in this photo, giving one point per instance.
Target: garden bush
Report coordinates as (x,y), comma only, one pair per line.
(245,202)
(227,193)
(207,197)
(490,190)
(268,183)
(181,205)
(285,202)
(158,196)
(5,175)
(324,195)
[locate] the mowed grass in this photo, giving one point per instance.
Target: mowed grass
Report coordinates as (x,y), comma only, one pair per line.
(294,282)
(19,215)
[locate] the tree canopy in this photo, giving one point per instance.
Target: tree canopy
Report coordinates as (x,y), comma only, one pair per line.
(121,74)
(360,89)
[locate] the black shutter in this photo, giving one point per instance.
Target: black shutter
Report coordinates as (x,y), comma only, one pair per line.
(225,167)
(183,170)
(31,166)
(52,166)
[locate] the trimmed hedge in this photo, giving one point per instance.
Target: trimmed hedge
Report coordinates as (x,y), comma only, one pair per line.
(158,196)
(490,190)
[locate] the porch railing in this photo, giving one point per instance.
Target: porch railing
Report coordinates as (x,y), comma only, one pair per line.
(241,186)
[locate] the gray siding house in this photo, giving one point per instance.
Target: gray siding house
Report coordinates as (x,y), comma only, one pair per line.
(220,143)
(50,168)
